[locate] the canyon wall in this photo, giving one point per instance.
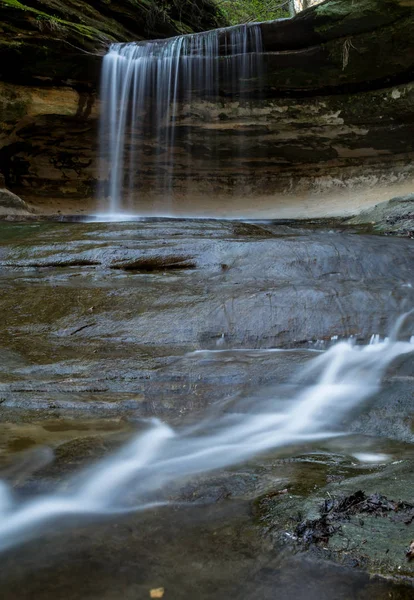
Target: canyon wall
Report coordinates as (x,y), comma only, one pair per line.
(328,126)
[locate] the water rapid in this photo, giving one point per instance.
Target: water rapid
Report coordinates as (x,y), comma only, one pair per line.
(144,86)
(136,477)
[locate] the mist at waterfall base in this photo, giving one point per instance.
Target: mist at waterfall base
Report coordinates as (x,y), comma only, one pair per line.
(322,399)
(143,86)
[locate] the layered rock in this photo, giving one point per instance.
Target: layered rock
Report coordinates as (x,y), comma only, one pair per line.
(328,128)
(62,42)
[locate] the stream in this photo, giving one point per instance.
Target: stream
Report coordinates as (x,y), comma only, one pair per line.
(176,395)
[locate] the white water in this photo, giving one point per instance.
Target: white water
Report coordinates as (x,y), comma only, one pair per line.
(141,89)
(330,387)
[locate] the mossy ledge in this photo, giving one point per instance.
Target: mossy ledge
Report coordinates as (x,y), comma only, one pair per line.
(57,42)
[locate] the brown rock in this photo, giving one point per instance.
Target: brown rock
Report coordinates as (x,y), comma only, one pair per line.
(330,130)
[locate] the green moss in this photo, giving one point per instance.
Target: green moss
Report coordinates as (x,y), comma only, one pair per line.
(14,111)
(14,4)
(182,27)
(6,44)
(339,9)
(84,30)
(336,13)
(88,25)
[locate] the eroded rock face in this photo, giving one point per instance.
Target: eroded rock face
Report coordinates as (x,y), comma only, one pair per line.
(48,144)
(282,152)
(10,204)
(327,130)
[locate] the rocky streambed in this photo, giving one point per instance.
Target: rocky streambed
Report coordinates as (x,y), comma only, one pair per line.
(104,324)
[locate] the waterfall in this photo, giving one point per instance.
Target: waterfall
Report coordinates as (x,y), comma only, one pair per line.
(143,87)
(329,388)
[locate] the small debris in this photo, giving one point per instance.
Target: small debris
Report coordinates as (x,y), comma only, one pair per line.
(335,511)
(410,553)
(82,328)
(157,592)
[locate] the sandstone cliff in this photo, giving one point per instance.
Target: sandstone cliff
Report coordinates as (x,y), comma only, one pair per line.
(334,113)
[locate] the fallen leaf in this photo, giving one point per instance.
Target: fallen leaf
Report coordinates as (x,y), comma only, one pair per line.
(157,593)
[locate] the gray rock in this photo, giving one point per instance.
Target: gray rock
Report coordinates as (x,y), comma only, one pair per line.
(394,216)
(12,205)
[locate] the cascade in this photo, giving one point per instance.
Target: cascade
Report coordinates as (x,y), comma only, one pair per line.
(143,88)
(328,389)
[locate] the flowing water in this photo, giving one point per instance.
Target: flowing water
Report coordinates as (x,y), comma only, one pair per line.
(264,408)
(143,86)
(327,390)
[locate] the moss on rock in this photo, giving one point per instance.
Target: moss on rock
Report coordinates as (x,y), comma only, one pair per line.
(61,41)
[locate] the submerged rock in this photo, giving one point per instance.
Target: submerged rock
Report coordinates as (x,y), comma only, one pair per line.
(355,516)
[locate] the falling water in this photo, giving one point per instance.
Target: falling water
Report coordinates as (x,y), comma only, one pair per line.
(143,87)
(134,478)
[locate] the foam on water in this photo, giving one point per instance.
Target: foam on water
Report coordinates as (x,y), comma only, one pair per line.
(372,458)
(330,386)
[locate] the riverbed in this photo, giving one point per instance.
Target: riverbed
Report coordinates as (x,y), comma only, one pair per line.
(107,325)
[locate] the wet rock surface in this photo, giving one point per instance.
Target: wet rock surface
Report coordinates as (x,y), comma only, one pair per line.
(369,530)
(117,308)
(215,561)
(354,510)
(103,324)
(395,216)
